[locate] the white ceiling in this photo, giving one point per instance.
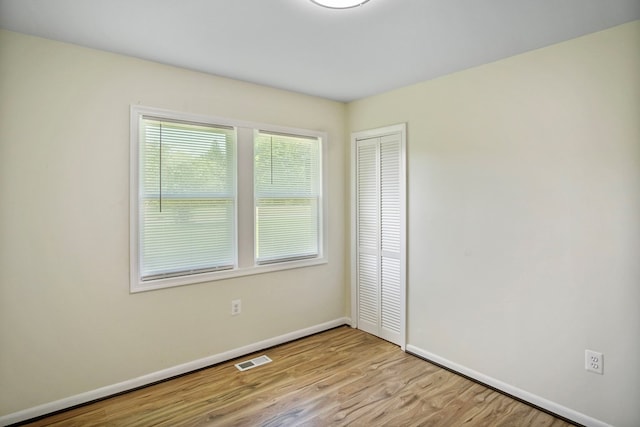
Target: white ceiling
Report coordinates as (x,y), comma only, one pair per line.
(299,46)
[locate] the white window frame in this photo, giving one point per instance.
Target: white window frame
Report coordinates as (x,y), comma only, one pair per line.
(245,221)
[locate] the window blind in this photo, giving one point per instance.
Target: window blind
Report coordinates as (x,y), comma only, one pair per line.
(187,198)
(287,197)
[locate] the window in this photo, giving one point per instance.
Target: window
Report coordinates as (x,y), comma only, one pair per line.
(187,198)
(195,182)
(287,191)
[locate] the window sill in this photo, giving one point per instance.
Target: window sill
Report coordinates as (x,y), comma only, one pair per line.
(139,286)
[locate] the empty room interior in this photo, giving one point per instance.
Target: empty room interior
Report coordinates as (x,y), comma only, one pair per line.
(187,183)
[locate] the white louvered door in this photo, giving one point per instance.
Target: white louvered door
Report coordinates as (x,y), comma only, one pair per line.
(379,236)
(390,277)
(368,235)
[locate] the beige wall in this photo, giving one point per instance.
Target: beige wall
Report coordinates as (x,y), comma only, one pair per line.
(524,218)
(67,321)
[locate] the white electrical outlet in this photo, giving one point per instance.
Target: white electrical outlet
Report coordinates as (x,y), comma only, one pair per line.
(236,307)
(593,361)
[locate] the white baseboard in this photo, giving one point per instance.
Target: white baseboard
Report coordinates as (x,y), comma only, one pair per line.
(538,401)
(164,374)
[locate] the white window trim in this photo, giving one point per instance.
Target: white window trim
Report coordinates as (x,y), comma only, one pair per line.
(245,263)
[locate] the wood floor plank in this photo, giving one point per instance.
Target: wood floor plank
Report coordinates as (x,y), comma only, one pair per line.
(337,378)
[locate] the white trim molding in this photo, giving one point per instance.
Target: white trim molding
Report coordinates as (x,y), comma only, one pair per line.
(165,374)
(516,392)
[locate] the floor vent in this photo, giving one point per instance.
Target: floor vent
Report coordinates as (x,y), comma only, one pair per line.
(256,361)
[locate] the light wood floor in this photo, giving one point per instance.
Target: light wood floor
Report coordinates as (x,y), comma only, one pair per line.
(339,377)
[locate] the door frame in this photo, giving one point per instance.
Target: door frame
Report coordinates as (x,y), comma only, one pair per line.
(400,128)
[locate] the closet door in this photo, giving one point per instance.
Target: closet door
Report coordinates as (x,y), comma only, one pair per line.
(368,235)
(389,254)
(379,236)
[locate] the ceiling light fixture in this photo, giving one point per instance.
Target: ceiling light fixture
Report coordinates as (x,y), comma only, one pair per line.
(339,4)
